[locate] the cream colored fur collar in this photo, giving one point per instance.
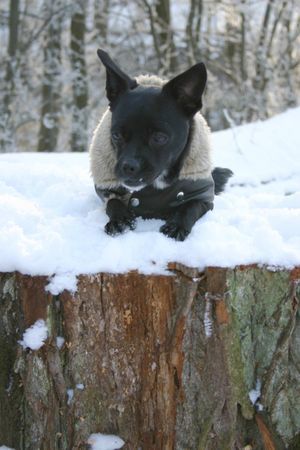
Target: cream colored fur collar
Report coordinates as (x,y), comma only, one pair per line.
(197,164)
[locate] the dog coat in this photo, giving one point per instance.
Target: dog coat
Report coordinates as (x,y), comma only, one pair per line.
(192,182)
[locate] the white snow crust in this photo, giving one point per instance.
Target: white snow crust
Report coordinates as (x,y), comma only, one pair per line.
(255,394)
(100,441)
(70,395)
(35,336)
(60,342)
(52,222)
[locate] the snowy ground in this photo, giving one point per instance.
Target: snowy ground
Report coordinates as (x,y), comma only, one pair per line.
(51,221)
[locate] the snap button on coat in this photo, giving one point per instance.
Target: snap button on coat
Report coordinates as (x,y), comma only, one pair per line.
(134,201)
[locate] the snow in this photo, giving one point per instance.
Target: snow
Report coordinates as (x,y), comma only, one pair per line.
(3,447)
(62,281)
(35,336)
(60,342)
(52,222)
(70,395)
(100,441)
(255,395)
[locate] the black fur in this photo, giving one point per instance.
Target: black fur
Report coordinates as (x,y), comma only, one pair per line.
(150,132)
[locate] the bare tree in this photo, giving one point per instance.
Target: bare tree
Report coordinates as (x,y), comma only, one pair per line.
(243,68)
(259,79)
(159,15)
(79,79)
(193,28)
(252,55)
(51,89)
(272,49)
(101,16)
(6,126)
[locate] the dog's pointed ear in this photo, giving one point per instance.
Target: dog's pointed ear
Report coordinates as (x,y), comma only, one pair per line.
(187,88)
(117,82)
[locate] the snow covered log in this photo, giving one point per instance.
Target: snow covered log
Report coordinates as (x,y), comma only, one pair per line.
(192,361)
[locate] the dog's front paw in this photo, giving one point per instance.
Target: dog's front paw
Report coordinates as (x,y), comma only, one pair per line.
(174,230)
(118,226)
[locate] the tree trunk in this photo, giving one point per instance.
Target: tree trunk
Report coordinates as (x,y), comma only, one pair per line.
(159,15)
(192,31)
(6,126)
(51,89)
(101,17)
(79,80)
(165,35)
(243,59)
(166,362)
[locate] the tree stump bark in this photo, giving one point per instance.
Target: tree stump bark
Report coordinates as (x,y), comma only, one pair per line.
(164,362)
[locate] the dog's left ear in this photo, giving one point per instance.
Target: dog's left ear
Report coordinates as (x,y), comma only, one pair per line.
(117,82)
(187,88)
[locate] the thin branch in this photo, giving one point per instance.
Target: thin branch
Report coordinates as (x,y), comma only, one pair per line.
(35,36)
(189,32)
(214,66)
(153,30)
(275,24)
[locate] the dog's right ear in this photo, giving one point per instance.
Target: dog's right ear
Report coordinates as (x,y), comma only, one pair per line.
(117,82)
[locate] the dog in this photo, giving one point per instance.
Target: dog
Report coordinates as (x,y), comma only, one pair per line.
(151,153)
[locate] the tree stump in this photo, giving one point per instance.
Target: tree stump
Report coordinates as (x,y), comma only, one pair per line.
(164,362)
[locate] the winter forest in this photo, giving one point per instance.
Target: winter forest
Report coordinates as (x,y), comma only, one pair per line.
(52,83)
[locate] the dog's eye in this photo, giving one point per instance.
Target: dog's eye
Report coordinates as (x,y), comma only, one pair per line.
(116,136)
(159,138)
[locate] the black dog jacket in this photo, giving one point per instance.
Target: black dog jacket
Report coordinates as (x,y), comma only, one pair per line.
(150,202)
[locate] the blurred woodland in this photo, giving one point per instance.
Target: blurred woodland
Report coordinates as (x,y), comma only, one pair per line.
(52,83)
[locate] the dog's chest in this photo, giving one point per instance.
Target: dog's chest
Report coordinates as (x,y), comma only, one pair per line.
(159,203)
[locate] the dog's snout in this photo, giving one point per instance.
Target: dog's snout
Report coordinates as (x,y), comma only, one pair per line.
(131,167)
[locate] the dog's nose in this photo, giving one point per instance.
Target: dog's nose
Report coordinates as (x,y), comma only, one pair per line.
(130,167)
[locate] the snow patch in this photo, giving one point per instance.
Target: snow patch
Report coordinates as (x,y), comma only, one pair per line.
(62,281)
(60,342)
(100,441)
(52,222)
(255,395)
(3,447)
(70,395)
(35,336)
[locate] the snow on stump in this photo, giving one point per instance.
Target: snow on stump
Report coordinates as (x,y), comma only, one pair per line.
(205,360)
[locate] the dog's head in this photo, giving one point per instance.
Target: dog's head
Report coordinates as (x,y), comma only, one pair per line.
(150,125)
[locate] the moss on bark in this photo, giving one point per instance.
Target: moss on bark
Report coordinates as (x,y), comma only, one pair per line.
(166,363)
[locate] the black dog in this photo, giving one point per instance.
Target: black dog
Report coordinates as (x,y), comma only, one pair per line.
(150,154)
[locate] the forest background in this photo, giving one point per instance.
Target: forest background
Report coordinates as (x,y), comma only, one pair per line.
(52,85)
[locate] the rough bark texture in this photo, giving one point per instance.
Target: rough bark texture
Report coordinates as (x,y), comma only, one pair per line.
(167,362)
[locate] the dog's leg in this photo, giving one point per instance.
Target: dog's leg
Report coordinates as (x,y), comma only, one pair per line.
(179,225)
(120,217)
